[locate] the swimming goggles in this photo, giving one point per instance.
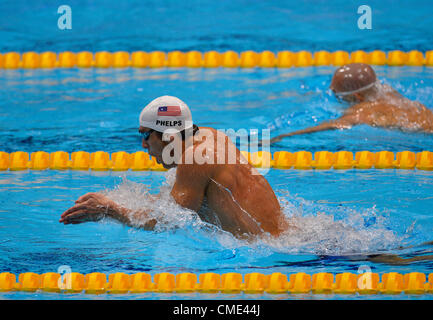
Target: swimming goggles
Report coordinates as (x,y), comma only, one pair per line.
(346,93)
(146,134)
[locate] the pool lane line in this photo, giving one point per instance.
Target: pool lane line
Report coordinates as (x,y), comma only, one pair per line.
(142,161)
(252,283)
(210,59)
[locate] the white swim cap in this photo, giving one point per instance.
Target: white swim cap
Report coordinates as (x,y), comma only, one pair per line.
(164,113)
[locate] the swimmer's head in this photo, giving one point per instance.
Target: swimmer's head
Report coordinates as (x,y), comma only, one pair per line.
(160,121)
(353,81)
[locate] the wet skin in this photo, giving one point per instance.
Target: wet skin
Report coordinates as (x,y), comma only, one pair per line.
(391,110)
(237,197)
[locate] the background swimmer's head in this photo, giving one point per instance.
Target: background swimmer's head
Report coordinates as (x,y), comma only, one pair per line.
(353,82)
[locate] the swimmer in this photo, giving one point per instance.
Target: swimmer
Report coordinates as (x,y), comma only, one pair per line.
(232,195)
(371,103)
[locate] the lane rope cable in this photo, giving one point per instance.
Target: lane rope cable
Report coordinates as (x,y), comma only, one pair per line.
(210,59)
(141,161)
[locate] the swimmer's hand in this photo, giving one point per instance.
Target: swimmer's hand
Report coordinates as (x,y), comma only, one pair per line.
(89,207)
(95,206)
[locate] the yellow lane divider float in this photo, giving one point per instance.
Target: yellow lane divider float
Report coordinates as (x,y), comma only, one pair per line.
(210,59)
(140,160)
(251,283)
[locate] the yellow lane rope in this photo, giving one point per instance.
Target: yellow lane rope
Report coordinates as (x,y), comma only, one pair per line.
(140,160)
(210,59)
(258,283)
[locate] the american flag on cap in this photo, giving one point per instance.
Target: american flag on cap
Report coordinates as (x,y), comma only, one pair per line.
(169,111)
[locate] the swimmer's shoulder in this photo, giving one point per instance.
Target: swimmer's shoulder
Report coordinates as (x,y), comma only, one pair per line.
(360,107)
(209,130)
(372,105)
(388,90)
(194,173)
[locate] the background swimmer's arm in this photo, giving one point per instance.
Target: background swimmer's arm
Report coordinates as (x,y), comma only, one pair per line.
(393,259)
(344,122)
(190,185)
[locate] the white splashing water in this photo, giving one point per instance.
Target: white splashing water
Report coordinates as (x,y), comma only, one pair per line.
(318,230)
(323,233)
(164,209)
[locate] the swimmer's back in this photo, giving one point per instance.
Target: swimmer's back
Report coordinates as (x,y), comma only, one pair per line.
(393,111)
(240,196)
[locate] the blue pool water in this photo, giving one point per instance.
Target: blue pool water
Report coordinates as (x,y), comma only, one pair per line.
(344,216)
(215,25)
(340,227)
(48,106)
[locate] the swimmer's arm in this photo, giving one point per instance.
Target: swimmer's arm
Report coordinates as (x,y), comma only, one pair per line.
(190,185)
(132,218)
(343,122)
(95,206)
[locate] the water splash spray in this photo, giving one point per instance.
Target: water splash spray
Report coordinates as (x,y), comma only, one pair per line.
(320,228)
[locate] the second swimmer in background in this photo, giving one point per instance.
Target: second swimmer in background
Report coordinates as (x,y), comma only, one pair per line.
(371,103)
